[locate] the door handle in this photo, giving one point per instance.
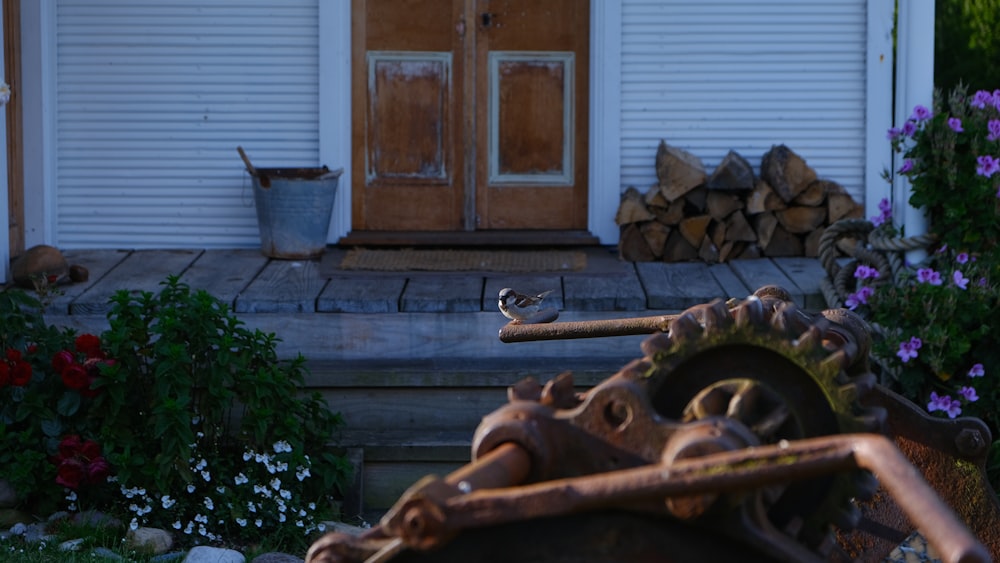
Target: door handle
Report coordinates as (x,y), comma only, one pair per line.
(487,18)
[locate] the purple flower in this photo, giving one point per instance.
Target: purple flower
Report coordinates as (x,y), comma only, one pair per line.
(927,275)
(884,205)
(981,99)
(996,98)
(944,403)
(909,128)
(907,351)
(994,130)
(977,370)
(987,165)
(894,133)
(962,257)
(969,393)
(955,124)
(920,113)
(863,272)
(860,297)
(907,166)
(916,343)
(960,280)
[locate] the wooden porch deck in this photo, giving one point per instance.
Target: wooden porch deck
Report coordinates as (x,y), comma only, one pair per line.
(412,359)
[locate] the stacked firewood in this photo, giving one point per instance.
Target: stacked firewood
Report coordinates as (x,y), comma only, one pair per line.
(731,213)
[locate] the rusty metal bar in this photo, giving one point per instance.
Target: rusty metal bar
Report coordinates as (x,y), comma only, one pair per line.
(512,332)
(506,465)
(728,471)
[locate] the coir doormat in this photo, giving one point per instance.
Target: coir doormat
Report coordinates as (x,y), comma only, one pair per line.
(398,260)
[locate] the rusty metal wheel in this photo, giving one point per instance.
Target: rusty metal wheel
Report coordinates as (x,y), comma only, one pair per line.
(782,374)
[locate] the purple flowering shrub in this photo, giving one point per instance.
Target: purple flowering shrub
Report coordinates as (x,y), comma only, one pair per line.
(951,156)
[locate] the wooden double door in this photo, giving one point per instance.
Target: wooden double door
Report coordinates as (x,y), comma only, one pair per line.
(469,115)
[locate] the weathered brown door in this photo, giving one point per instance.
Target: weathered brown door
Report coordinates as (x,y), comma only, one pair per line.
(469,115)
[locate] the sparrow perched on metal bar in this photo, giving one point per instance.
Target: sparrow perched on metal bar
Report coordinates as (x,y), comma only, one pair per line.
(519,307)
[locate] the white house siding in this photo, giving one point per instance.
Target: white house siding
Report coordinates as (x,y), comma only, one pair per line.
(714,75)
(152,98)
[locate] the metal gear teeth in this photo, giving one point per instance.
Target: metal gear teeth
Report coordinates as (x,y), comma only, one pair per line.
(686,327)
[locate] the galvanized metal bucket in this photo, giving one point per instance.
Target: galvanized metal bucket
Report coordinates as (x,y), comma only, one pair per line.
(294,206)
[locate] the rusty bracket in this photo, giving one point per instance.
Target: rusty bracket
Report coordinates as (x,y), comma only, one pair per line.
(515,332)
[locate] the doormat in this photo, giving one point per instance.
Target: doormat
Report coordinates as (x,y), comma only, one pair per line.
(399,260)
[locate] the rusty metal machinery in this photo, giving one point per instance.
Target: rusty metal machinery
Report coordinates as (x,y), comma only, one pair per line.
(748,431)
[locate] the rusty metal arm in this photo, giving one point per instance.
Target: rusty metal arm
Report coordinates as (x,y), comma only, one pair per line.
(514,332)
(422,521)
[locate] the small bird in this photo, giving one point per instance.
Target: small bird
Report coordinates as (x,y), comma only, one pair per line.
(518,307)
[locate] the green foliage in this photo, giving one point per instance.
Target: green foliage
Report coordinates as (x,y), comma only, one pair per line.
(944,168)
(192,393)
(967,46)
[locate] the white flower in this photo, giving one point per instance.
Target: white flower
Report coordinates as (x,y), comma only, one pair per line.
(133,525)
(241,479)
(299,524)
(261,458)
(190,488)
(275,483)
(301,473)
(195,420)
(302,513)
(206,476)
(242,522)
(201,518)
(209,504)
(202,530)
(71,507)
(321,527)
(247,455)
(167,501)
(251,507)
(220,489)
(201,465)
(200,434)
(71,496)
(281,517)
(189,528)
(177,524)
(312,506)
(285,494)
(258,522)
(282,446)
(282,467)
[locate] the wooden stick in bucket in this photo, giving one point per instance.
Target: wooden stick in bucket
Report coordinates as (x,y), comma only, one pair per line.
(264,181)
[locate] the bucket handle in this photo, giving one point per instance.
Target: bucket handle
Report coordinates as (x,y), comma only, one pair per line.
(265,182)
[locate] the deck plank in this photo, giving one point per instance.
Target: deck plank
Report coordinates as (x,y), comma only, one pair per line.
(808,274)
(447,293)
(677,286)
(142,270)
(758,273)
(376,294)
(731,284)
(98,264)
(604,293)
(225,273)
(283,286)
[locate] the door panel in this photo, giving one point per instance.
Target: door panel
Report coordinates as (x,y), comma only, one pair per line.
(469,114)
(533,128)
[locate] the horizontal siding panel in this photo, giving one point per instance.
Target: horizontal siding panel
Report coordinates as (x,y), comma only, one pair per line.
(152,100)
(719,75)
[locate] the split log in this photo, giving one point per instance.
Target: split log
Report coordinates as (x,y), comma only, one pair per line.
(717,232)
(632,208)
(783,243)
(738,229)
(733,173)
(801,219)
(810,246)
(720,204)
(696,199)
(814,195)
(654,198)
(786,172)
(632,246)
(655,234)
(670,215)
(764,225)
(840,205)
(727,248)
(749,252)
(677,249)
(678,171)
(763,198)
(708,252)
(693,229)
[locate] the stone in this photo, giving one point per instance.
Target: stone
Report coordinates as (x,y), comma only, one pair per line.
(168,557)
(72,545)
(206,554)
(96,519)
(8,496)
(155,540)
(276,557)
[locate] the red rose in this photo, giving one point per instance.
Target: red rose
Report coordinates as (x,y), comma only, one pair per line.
(88,390)
(69,447)
(75,376)
(90,450)
(21,374)
(62,359)
(70,473)
(32,348)
(4,374)
(13,355)
(98,470)
(90,345)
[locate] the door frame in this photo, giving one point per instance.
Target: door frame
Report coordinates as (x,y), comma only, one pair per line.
(604,129)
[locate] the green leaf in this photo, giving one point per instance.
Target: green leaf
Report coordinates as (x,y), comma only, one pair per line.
(68,404)
(52,427)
